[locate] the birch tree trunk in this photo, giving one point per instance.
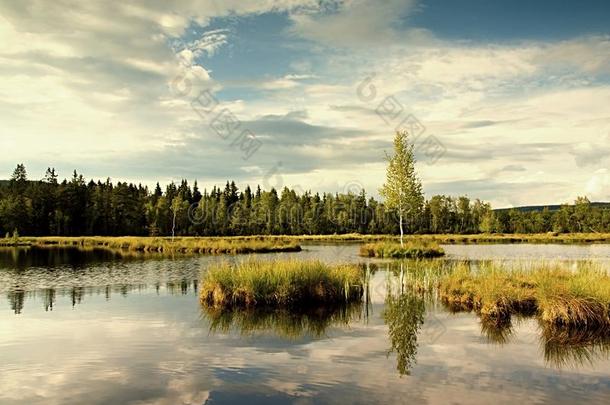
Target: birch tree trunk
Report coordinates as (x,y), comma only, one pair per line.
(401,231)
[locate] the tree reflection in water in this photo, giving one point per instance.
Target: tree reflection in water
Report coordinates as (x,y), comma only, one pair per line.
(404,315)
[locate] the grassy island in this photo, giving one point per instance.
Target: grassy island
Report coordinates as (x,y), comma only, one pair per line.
(187,245)
(410,250)
(559,295)
(286,283)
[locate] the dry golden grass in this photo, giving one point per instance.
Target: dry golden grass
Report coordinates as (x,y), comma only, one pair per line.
(482,238)
(410,250)
(156,243)
(286,283)
(559,295)
(189,245)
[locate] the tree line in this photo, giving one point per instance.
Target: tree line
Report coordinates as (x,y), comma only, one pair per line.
(76,207)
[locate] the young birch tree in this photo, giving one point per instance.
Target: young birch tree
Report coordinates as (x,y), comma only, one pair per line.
(402,190)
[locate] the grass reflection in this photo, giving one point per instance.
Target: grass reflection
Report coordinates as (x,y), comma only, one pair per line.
(564,344)
(287,323)
(574,347)
(497,331)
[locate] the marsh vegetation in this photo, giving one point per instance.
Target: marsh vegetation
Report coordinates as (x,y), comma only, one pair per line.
(281,284)
(562,295)
(189,245)
(409,250)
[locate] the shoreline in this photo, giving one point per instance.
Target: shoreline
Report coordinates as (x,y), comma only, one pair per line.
(153,243)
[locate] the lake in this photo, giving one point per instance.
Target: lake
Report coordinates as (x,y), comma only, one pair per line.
(95,327)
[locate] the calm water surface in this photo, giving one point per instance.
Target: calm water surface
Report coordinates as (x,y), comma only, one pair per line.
(92,327)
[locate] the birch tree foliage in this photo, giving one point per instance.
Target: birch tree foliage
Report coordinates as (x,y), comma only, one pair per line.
(402,190)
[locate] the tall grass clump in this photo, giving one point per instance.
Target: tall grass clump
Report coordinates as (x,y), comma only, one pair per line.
(285,283)
(559,295)
(410,250)
(495,292)
(574,298)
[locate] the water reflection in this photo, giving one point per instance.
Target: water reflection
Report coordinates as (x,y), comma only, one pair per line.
(404,316)
(291,324)
(49,257)
(498,331)
(77,295)
(574,348)
(528,251)
(561,347)
(142,338)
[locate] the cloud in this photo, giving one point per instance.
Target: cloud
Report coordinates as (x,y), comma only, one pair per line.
(513,168)
(481,124)
(589,54)
(500,150)
(598,186)
(591,153)
(515,193)
(99,89)
(86,81)
(355,23)
(209,42)
(287,82)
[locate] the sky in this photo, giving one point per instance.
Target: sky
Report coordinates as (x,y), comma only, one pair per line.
(505,101)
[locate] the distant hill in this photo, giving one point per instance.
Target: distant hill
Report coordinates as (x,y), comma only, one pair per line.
(531,208)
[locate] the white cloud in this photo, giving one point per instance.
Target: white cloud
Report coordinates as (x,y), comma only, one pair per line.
(82,80)
(209,42)
(492,105)
(354,23)
(286,82)
(598,186)
(85,83)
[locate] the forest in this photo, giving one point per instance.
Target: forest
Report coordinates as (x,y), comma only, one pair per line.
(75,207)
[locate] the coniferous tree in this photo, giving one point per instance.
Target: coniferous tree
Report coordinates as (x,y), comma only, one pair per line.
(76,207)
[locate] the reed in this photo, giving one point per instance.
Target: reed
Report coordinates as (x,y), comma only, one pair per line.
(410,250)
(557,294)
(566,238)
(285,283)
(580,298)
(185,245)
(446,239)
(493,291)
(483,238)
